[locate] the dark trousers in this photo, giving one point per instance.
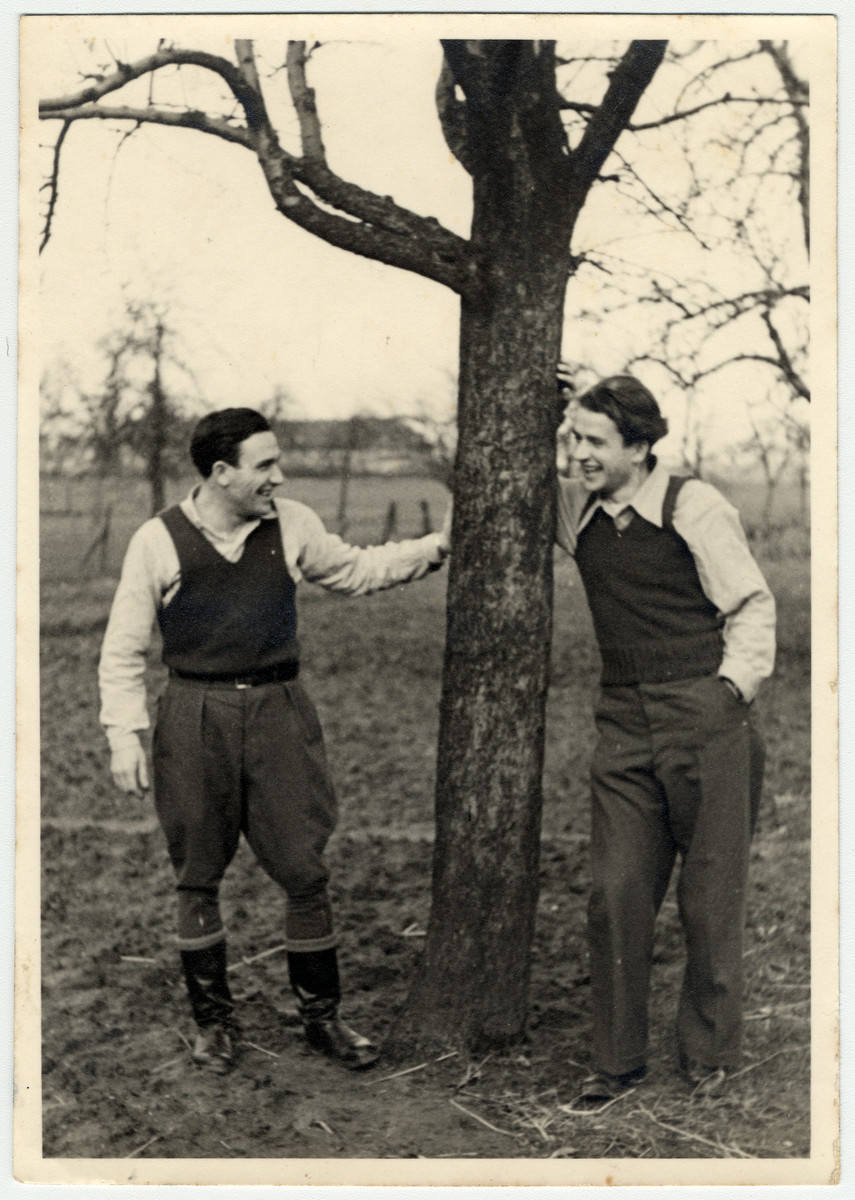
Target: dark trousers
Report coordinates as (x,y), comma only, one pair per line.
(244,760)
(678,769)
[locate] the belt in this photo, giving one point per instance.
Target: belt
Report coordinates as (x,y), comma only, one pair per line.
(278,674)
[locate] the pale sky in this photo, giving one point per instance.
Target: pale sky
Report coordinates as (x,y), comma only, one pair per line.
(257,303)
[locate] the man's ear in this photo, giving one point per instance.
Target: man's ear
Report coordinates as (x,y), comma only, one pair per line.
(221,472)
(640,451)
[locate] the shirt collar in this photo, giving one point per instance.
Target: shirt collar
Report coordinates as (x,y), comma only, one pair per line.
(188,506)
(647,502)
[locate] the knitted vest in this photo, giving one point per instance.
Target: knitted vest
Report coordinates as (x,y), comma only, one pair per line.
(228,618)
(652,619)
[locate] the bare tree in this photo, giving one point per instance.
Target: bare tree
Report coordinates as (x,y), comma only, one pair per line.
(351,440)
(779,444)
(133,415)
(749,201)
(501,114)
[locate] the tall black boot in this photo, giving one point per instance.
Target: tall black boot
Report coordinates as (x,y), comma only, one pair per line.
(315,982)
(212,1004)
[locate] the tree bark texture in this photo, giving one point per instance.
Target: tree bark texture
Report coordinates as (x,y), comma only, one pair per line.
(471,986)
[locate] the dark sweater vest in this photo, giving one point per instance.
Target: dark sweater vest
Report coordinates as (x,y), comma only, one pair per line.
(652,619)
(229,618)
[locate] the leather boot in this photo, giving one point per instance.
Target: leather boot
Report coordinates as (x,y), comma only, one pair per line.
(211,1001)
(315,982)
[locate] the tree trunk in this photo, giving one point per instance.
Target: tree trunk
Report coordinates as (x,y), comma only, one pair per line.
(471,986)
(803,489)
(342,521)
(769,502)
(390,524)
(158,422)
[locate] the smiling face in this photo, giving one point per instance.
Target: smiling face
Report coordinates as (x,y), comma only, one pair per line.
(608,465)
(248,487)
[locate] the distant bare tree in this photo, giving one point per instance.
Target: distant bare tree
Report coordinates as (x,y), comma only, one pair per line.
(133,415)
(777,439)
(745,195)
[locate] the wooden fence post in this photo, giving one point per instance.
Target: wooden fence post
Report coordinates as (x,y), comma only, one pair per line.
(391,522)
(427,523)
(101,542)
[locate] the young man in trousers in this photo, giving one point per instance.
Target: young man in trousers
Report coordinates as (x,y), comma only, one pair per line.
(237,746)
(686,629)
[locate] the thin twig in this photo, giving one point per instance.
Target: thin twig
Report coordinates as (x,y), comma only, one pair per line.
(260,1049)
(134,958)
(245,962)
(54,185)
(409,1070)
(594,1112)
(144,1146)
(164,1066)
(763,1061)
(481,1120)
(184,1040)
(694,1137)
(398,1074)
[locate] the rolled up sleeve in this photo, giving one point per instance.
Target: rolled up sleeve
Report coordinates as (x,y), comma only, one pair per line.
(121,669)
(315,554)
(732,580)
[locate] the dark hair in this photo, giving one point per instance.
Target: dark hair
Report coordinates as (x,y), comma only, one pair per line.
(218,436)
(630,405)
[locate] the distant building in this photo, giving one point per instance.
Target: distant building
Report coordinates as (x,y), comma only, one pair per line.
(363,445)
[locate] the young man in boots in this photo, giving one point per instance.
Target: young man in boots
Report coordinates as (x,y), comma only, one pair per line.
(686,628)
(237,746)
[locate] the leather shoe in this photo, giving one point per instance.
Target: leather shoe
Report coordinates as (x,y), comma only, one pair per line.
(214,1049)
(332,1037)
(601,1087)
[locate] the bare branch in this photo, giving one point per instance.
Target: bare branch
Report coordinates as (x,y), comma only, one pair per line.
(664,207)
(379,229)
(153,62)
(452,116)
(797,94)
(578,106)
(464,61)
(785,363)
(685,383)
(304,102)
(378,211)
(53,184)
(737,305)
(701,78)
(725,99)
(192,119)
(626,87)
(691,381)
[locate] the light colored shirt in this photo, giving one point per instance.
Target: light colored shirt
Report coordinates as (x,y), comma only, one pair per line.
(151,576)
(730,578)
